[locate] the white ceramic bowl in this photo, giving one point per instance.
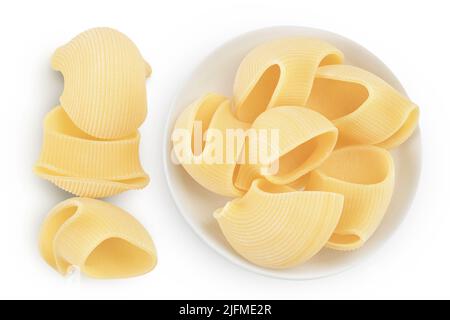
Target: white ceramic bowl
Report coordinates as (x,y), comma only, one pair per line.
(196,204)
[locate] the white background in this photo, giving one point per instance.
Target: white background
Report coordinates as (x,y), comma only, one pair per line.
(410,37)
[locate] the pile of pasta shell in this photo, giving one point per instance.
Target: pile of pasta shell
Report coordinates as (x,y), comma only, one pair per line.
(335,176)
(91,141)
(91,149)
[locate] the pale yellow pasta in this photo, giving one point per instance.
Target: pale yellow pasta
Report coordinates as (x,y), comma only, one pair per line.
(365,176)
(213,171)
(364,108)
(279,73)
(104,83)
(277,227)
(101,239)
(322,128)
(246,172)
(87,166)
(305,140)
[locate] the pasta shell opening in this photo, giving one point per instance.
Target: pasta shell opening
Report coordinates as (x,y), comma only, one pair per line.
(345,241)
(118,258)
(260,95)
(335,98)
(300,160)
(365,108)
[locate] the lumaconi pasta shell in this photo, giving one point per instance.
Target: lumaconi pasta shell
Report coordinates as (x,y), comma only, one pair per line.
(365,176)
(364,108)
(87,166)
(214,112)
(306,139)
(104,83)
(101,239)
(279,73)
(277,227)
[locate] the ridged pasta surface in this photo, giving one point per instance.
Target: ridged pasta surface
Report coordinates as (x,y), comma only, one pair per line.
(305,140)
(279,73)
(207,165)
(104,83)
(101,239)
(278,227)
(365,176)
(87,166)
(364,108)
